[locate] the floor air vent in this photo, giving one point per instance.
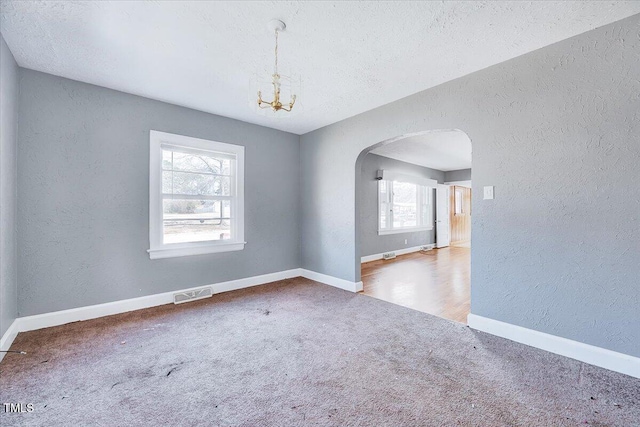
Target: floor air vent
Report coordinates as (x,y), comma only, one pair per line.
(192,295)
(389,255)
(425,248)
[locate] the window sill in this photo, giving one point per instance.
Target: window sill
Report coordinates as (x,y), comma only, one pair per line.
(403,230)
(169,252)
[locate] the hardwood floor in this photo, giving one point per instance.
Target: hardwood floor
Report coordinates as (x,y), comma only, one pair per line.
(463,244)
(435,282)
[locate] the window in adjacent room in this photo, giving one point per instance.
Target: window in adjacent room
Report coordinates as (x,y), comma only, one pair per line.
(404,207)
(457,202)
(196,203)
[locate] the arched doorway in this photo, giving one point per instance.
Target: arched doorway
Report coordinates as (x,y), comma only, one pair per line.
(410,191)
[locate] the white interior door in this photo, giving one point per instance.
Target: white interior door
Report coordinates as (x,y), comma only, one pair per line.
(443,228)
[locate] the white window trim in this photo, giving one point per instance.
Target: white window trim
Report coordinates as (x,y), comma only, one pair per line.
(157,249)
(403,230)
(429,183)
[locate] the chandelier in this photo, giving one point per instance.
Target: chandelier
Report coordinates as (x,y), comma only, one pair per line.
(280,86)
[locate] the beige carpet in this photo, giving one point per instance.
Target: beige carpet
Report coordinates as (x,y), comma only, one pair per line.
(298,353)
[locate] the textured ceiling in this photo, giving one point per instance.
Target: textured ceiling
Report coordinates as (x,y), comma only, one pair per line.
(352,56)
(442,150)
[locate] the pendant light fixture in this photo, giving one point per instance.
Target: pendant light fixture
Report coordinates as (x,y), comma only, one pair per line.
(277,95)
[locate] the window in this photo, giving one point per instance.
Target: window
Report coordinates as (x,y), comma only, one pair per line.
(457,202)
(404,206)
(196,196)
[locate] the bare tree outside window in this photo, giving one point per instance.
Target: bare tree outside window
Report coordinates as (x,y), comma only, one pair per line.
(196,190)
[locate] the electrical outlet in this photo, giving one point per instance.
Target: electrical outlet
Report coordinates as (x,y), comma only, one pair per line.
(405,241)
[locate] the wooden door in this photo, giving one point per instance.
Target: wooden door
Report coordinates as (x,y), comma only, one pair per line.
(460,214)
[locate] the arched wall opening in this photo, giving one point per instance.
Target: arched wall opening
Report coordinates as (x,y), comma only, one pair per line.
(524,239)
(436,152)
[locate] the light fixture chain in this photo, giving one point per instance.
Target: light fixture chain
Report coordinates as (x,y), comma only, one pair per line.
(276,64)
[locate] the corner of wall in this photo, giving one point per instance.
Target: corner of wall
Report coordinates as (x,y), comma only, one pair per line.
(8,187)
(300,228)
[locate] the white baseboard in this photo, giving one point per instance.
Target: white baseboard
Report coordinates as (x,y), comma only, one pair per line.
(47,320)
(56,318)
(8,337)
(333,281)
(598,356)
(593,355)
(403,251)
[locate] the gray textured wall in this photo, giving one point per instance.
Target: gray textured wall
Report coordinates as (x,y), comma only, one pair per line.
(556,132)
(83,182)
(370,242)
(8,203)
(459,175)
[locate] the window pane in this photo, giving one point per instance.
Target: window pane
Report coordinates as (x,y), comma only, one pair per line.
(384,205)
(196,220)
(200,162)
(383,215)
(404,205)
(167,159)
(458,202)
(195,184)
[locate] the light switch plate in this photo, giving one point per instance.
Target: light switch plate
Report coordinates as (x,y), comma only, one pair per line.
(488,192)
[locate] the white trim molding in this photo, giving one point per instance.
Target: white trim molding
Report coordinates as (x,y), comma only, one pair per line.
(375,257)
(56,318)
(8,337)
(404,230)
(332,281)
(194,249)
(598,356)
(459,183)
(47,320)
(387,175)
